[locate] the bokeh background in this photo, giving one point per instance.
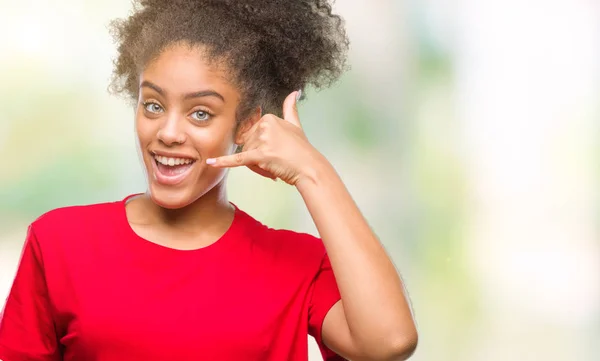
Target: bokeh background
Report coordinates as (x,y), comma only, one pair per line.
(466,130)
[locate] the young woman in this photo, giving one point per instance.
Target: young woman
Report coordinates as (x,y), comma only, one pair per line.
(179,272)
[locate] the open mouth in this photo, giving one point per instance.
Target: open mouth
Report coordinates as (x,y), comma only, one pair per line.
(171,171)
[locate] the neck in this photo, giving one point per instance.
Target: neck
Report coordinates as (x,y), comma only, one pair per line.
(208,211)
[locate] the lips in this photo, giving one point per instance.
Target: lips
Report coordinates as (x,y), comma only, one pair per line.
(171,170)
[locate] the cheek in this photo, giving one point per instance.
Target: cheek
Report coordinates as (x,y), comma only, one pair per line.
(213,142)
(143,129)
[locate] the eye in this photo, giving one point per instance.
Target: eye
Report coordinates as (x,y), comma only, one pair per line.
(201,115)
(153,107)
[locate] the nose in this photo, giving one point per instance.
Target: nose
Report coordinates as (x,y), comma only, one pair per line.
(172,131)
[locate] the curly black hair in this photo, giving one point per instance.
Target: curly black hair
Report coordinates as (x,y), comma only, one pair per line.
(270,47)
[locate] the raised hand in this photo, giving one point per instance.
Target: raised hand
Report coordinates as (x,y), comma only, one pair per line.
(275,147)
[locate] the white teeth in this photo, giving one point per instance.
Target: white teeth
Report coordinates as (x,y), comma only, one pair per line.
(172,161)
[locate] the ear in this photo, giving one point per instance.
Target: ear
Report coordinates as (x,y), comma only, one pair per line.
(246,125)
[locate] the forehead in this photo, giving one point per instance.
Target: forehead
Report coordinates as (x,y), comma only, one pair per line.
(181,69)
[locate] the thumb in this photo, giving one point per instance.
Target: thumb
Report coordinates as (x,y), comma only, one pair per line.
(290,108)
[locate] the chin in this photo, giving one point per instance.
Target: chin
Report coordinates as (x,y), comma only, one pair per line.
(182,195)
(171,198)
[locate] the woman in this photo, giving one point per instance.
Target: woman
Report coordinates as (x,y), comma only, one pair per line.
(180,273)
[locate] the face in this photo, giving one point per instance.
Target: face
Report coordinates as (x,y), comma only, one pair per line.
(186,113)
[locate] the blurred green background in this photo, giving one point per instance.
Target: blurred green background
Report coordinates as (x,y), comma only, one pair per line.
(467,131)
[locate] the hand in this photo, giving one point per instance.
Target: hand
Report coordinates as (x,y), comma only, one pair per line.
(275,147)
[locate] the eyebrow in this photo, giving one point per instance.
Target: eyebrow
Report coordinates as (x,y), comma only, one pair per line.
(198,94)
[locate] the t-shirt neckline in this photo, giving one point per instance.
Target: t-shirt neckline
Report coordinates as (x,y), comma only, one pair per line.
(223,241)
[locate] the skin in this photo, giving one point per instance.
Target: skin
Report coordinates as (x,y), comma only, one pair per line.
(373,320)
(195,213)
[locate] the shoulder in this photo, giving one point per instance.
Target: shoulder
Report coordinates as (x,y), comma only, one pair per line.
(288,245)
(299,241)
(71,233)
(70,219)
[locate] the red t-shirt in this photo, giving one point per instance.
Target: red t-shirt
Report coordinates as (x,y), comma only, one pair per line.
(89,288)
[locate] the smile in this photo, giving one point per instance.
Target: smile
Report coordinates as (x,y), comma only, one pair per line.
(171,171)
(172,161)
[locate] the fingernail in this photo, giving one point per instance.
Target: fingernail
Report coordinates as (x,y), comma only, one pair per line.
(298,94)
(211,161)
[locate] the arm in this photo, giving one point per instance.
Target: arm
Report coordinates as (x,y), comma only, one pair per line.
(27,329)
(373,320)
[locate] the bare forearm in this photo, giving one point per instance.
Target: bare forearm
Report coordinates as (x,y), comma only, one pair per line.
(375,305)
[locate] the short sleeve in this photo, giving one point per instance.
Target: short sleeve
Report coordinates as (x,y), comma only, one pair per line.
(325,294)
(27,329)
